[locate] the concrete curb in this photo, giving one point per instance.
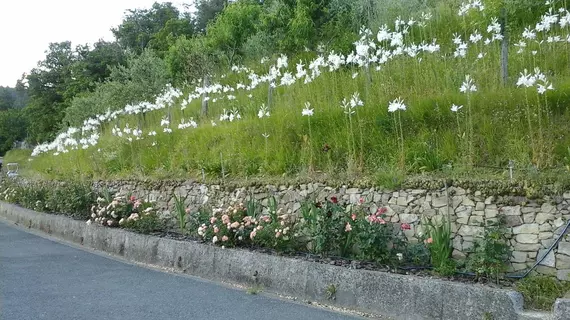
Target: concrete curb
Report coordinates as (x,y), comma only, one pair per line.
(393,295)
(562,309)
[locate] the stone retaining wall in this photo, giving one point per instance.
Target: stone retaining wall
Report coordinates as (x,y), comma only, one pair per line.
(534,224)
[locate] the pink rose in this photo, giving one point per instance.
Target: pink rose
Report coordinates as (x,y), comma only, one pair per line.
(252,234)
(213,220)
(225,238)
(353,217)
(216,230)
(405,226)
(235,225)
(429,240)
(348,227)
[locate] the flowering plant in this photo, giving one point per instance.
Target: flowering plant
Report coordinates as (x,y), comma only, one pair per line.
(127,212)
(229,227)
(351,232)
(8,193)
(234,225)
(379,240)
(328,228)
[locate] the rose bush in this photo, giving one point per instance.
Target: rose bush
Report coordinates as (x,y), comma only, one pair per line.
(324,228)
(233,226)
(127,212)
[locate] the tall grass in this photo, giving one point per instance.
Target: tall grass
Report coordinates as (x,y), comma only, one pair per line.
(432,136)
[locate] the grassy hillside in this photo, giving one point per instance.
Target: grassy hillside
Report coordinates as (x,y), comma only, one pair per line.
(425,63)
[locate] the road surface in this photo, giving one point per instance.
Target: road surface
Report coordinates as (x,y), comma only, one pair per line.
(43,279)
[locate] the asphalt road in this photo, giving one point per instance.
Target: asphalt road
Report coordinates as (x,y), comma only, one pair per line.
(43,279)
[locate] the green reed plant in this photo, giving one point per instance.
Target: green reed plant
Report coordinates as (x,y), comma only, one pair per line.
(439,244)
(181,212)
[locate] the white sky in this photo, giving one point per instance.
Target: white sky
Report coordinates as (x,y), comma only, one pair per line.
(28,26)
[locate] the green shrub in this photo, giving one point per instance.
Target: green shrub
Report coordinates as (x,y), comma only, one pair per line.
(378,240)
(273,221)
(490,255)
(195,219)
(143,78)
(540,292)
(351,232)
(127,212)
(326,224)
(73,199)
(230,226)
(8,192)
(32,195)
(417,254)
(146,224)
(70,198)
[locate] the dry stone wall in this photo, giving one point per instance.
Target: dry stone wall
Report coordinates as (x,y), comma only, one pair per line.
(534,224)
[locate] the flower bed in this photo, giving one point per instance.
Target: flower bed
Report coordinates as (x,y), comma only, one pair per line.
(327,229)
(328,232)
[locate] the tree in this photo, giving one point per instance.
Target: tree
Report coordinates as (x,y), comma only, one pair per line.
(140,79)
(189,59)
(97,63)
(174,29)
(301,28)
(48,90)
(141,25)
(12,128)
(274,23)
(232,28)
(7,98)
(206,11)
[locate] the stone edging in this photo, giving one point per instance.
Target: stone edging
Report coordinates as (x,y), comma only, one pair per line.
(393,295)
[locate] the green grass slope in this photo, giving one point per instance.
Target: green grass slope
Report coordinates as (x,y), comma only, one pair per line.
(497,123)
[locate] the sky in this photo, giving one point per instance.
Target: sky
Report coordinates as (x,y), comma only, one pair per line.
(28,26)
